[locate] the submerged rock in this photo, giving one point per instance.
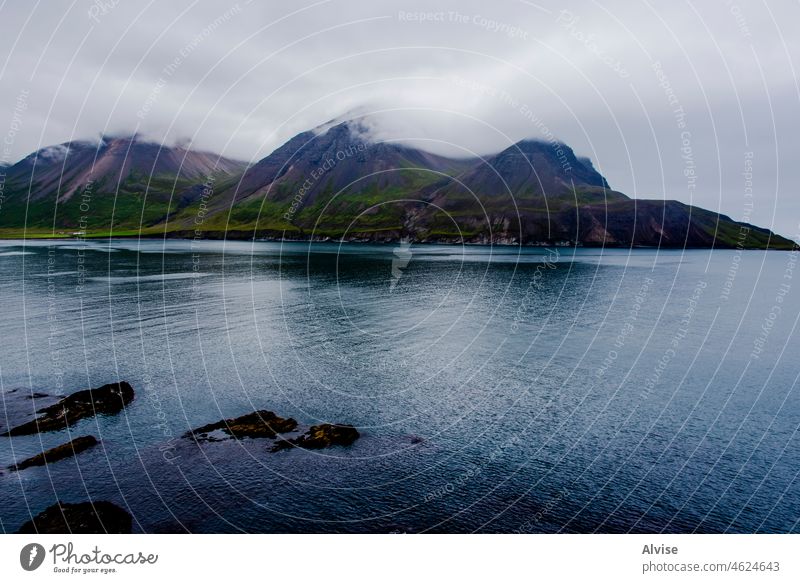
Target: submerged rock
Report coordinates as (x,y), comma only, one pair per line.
(106,400)
(57,453)
(254,425)
(83,518)
(321,436)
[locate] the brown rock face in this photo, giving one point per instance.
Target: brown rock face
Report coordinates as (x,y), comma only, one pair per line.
(106,400)
(57,453)
(258,424)
(321,436)
(83,518)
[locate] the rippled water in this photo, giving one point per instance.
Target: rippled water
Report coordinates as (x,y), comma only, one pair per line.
(495,389)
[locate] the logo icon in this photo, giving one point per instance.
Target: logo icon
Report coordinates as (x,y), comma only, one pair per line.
(31,556)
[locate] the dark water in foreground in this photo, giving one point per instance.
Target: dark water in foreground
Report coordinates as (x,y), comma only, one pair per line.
(496,390)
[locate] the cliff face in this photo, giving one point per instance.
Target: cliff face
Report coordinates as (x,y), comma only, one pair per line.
(335,182)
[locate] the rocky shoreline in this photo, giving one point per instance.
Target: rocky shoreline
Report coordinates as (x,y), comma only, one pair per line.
(60,452)
(109,399)
(101,516)
(267,425)
(258,424)
(92,517)
(319,437)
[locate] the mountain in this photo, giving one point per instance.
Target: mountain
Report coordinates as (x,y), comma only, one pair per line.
(344,160)
(333,172)
(533,169)
(120,182)
(337,182)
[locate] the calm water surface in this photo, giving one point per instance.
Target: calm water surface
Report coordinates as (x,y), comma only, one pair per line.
(495,389)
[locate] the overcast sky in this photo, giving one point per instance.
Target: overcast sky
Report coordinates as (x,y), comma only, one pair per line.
(649,91)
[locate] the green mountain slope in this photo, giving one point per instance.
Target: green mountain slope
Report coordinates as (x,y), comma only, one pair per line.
(335,182)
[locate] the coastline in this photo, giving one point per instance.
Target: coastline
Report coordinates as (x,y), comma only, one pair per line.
(238,235)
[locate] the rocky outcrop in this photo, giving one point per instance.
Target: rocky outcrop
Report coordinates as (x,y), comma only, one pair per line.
(57,453)
(321,436)
(106,400)
(266,424)
(258,424)
(83,518)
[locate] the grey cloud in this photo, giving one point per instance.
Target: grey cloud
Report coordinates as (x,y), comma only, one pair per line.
(453,77)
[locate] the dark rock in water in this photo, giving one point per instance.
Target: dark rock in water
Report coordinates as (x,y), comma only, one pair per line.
(321,436)
(83,518)
(257,424)
(106,400)
(38,396)
(57,453)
